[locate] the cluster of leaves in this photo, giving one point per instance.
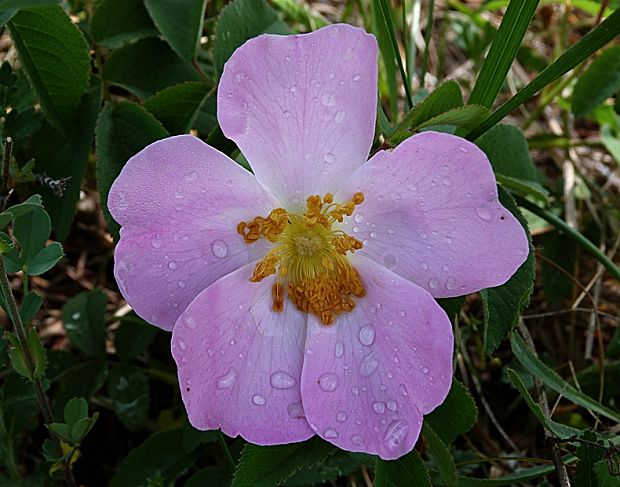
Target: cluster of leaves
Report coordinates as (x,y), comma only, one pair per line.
(121,74)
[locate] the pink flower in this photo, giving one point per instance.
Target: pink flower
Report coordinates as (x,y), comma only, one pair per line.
(288,322)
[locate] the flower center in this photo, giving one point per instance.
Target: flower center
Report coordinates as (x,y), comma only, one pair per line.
(309,256)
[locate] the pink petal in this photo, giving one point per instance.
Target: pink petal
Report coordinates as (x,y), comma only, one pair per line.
(179,202)
(240,363)
(302,108)
(368,379)
(432,215)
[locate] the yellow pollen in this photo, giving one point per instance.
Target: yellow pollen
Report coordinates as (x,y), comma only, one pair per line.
(309,257)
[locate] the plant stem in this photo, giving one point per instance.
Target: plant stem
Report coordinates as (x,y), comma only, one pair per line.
(229,458)
(561,225)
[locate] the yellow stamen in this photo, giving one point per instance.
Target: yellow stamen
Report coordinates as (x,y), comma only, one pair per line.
(310,257)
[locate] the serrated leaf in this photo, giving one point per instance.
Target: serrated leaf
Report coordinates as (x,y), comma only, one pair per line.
(180,23)
(440,455)
(456,415)
(55,56)
(37,352)
(129,391)
(462,117)
(404,472)
(604,477)
(502,305)
(239,21)
(117,22)
(269,466)
(133,337)
(212,476)
(445,97)
(535,367)
(122,131)
(45,259)
(597,83)
(16,354)
(32,231)
(75,410)
(76,379)
(146,67)
(83,316)
(177,107)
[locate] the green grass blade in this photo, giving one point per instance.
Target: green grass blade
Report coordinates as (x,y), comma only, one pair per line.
(588,45)
(503,51)
(387,18)
(427,40)
(387,54)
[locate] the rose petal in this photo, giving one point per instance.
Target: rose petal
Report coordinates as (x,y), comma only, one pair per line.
(240,362)
(432,215)
(368,378)
(179,202)
(302,108)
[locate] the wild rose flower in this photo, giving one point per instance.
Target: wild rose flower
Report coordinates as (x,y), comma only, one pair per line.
(301,297)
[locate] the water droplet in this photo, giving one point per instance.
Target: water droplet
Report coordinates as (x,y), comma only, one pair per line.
(328,382)
(258,400)
(189,321)
(403,313)
(156,243)
(293,89)
(296,410)
(433,283)
(181,284)
(219,248)
(282,380)
(463,150)
(339,349)
(288,58)
(355,390)
(367,335)
(424,370)
(356,78)
(172,265)
(378,407)
(389,261)
(395,433)
(403,390)
(340,116)
(329,157)
(330,433)
(373,234)
(483,213)
(182,345)
(447,181)
(228,379)
(369,364)
(451,282)
(391,405)
(423,236)
(356,229)
(434,182)
(328,100)
(341,417)
(424,266)
(76,316)
(357,440)
(286,113)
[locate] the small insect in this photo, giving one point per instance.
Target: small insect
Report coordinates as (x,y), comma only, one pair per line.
(58,186)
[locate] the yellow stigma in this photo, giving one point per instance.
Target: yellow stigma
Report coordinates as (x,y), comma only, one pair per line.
(309,256)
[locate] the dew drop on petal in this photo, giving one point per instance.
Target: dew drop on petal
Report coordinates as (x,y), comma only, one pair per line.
(403,390)
(172,265)
(282,380)
(219,248)
(357,440)
(403,313)
(356,78)
(378,407)
(330,434)
(483,213)
(339,349)
(329,157)
(340,116)
(395,433)
(373,234)
(258,400)
(181,284)
(424,266)
(447,181)
(367,335)
(228,379)
(182,345)
(368,364)
(451,282)
(391,405)
(341,417)
(328,382)
(189,321)
(358,217)
(296,410)
(433,283)
(328,100)
(156,243)
(463,150)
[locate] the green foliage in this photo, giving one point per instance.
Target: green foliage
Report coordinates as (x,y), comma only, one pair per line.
(600,81)
(55,57)
(84,321)
(456,415)
(406,471)
(77,423)
(129,391)
(117,22)
(133,337)
(440,455)
(272,465)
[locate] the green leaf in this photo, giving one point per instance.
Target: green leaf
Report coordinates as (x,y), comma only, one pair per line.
(75,410)
(178,106)
(588,455)
(55,56)
(269,466)
(16,354)
(462,117)
(81,378)
(597,83)
(440,455)
(6,244)
(30,306)
(239,21)
(83,316)
(45,259)
(340,464)
(523,187)
(611,141)
(122,131)
(133,337)
(502,305)
(117,22)
(503,51)
(445,97)
(604,477)
(158,453)
(38,353)
(61,430)
(508,152)
(588,45)
(212,476)
(555,382)
(180,23)
(388,66)
(32,231)
(404,472)
(81,428)
(456,415)
(146,67)
(21,4)
(128,387)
